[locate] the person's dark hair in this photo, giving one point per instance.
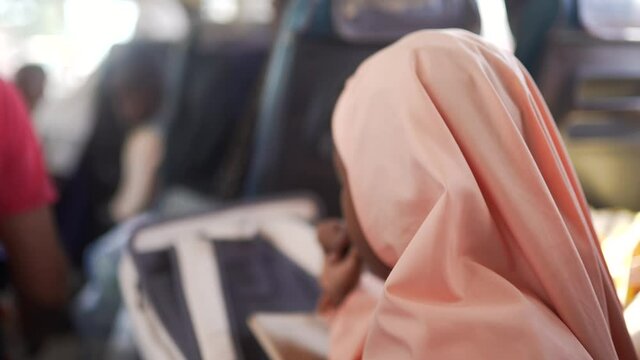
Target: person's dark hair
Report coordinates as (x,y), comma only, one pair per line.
(30,79)
(137,78)
(28,71)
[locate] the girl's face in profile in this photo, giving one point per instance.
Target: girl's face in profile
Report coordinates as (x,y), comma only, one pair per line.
(346,249)
(354,230)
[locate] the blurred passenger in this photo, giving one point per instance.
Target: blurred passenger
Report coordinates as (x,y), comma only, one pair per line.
(138,89)
(31,81)
(37,266)
(459,195)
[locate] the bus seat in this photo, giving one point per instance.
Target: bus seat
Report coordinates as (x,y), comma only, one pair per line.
(530,22)
(220,81)
(316,50)
(591,83)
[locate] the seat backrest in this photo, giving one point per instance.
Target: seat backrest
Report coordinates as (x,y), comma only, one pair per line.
(578,53)
(591,83)
(530,22)
(315,52)
(219,83)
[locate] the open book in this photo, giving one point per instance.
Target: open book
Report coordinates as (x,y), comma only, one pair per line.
(291,336)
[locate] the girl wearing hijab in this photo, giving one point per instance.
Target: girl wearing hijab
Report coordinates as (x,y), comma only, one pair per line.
(458,194)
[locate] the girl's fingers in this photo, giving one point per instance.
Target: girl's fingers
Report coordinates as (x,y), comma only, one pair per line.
(332,236)
(340,278)
(325,304)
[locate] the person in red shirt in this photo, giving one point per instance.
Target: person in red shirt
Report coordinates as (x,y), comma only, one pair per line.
(36,261)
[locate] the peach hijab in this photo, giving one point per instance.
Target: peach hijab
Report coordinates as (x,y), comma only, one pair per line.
(462,185)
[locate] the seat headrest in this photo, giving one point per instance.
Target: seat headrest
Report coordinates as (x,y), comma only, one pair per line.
(379,21)
(376,21)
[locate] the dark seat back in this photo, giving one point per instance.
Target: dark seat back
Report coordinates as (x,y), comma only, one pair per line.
(309,65)
(219,84)
(531,21)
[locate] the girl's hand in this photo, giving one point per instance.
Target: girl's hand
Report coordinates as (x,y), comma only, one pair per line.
(342,264)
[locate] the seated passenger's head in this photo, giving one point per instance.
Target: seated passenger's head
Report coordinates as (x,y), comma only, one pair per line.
(137,85)
(416,123)
(31,80)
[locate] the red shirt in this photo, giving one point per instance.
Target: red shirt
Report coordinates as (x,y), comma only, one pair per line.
(24,182)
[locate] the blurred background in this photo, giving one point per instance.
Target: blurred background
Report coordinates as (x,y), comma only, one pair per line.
(165,107)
